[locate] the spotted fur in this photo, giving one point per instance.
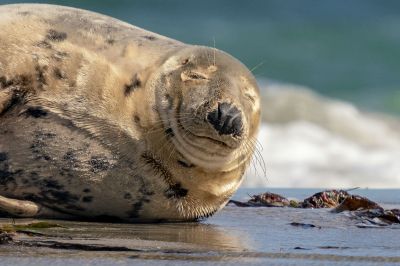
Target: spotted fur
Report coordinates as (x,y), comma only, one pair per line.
(104,121)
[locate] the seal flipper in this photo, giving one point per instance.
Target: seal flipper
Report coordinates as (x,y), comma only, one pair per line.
(18,208)
(28,209)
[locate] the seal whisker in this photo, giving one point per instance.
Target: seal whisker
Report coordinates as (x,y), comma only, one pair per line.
(250,146)
(252,162)
(257,153)
(257,66)
(159,127)
(214,63)
(257,159)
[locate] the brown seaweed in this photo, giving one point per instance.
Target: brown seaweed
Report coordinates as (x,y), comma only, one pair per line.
(355,202)
(266,199)
(325,199)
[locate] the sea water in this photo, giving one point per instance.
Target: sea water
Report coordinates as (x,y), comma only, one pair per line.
(343,49)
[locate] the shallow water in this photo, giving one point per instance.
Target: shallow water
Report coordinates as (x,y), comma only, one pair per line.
(256,236)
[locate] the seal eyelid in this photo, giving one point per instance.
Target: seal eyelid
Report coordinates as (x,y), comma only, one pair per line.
(194,75)
(250,97)
(185,61)
(190,76)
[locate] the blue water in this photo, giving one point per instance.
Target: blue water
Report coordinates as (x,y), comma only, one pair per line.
(349,49)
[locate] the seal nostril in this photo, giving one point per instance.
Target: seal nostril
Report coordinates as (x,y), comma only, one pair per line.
(237,126)
(226,119)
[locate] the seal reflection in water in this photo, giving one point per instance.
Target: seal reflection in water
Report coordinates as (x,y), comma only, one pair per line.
(103,120)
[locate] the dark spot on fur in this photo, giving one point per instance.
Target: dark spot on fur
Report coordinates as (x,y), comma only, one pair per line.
(176,191)
(150,38)
(54,196)
(59,55)
(52,184)
(169,133)
(17,81)
(99,164)
(58,74)
(69,156)
(143,191)
(36,112)
(15,100)
(170,100)
(7,174)
(5,83)
(3,156)
(20,85)
(67,171)
(86,190)
(143,196)
(110,41)
(44,44)
(56,200)
(184,164)
(45,135)
(74,207)
(56,36)
(24,13)
(40,76)
(136,209)
(136,119)
(38,146)
(135,83)
(87,199)
(34,176)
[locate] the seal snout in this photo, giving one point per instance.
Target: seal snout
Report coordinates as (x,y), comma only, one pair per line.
(226,119)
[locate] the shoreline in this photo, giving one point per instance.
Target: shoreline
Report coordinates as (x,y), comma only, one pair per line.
(254,236)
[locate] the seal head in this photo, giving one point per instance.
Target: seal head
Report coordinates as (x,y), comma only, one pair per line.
(211,102)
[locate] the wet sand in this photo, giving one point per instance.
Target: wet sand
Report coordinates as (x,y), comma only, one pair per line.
(254,236)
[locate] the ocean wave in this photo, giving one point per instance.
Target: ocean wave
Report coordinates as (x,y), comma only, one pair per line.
(311,141)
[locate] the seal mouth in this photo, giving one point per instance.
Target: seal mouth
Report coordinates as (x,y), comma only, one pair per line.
(208,138)
(203,151)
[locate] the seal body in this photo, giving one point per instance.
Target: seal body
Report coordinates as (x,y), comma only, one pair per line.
(101,119)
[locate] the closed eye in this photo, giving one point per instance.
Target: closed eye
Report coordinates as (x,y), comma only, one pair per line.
(194,75)
(190,75)
(250,97)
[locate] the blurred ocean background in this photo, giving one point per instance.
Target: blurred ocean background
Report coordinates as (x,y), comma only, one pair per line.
(329,72)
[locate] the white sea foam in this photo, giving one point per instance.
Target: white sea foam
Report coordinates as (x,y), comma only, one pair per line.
(310,141)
